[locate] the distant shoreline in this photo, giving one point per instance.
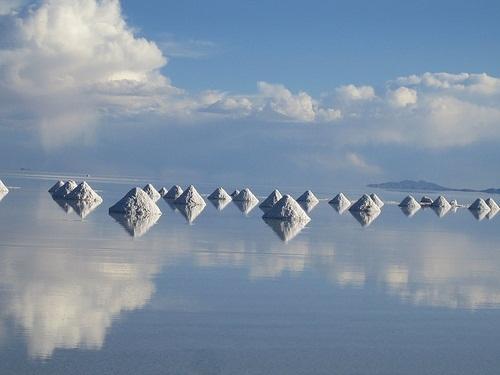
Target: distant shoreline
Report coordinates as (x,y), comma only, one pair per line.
(421,185)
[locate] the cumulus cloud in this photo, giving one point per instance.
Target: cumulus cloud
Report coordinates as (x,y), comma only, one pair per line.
(402,97)
(355,93)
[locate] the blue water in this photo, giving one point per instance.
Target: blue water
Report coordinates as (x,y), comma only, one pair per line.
(229,294)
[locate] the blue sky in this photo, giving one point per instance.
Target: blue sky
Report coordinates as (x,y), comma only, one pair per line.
(240,92)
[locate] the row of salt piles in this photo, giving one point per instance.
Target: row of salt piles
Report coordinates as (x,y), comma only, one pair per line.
(71,191)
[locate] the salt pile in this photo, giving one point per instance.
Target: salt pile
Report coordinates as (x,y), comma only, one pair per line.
(3,190)
(492,204)
(56,186)
(190,197)
(64,190)
(286,230)
(245,196)
(84,193)
(220,204)
(152,192)
(136,226)
(425,201)
(410,202)
(271,199)
(366,204)
(136,203)
(479,205)
(340,202)
(287,209)
(219,194)
(308,197)
(441,210)
(163,191)
(441,202)
(173,193)
(365,218)
(191,212)
(246,206)
(84,208)
(235,193)
(410,211)
(379,202)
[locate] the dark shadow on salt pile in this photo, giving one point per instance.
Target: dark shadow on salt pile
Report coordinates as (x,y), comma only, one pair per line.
(63,204)
(135,226)
(286,230)
(84,208)
(365,218)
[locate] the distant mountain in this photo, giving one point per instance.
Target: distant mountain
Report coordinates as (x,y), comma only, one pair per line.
(409,185)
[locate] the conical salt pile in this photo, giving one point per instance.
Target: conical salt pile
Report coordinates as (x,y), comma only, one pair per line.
(152,192)
(163,191)
(308,197)
(136,203)
(3,188)
(271,199)
(492,204)
(379,202)
(366,204)
(479,205)
(340,199)
(441,202)
(287,208)
(365,218)
(409,202)
(426,201)
(64,190)
(235,193)
(83,192)
(173,193)
(245,196)
(190,197)
(219,194)
(56,186)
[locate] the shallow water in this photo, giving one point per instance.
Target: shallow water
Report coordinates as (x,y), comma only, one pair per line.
(83,292)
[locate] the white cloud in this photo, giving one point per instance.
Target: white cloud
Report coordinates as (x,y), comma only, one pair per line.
(355,93)
(402,97)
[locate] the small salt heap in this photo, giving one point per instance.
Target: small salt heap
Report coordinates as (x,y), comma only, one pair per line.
(365,218)
(152,192)
(191,212)
(136,203)
(285,230)
(163,191)
(287,209)
(136,226)
(245,196)
(84,193)
(308,197)
(3,188)
(366,204)
(190,197)
(425,201)
(271,199)
(173,193)
(340,202)
(441,202)
(56,186)
(379,202)
(64,190)
(235,193)
(410,202)
(479,205)
(492,204)
(219,194)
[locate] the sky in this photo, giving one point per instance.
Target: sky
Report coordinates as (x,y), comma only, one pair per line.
(253,92)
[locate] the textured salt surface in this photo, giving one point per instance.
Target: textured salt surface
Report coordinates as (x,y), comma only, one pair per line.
(235,193)
(377,200)
(410,202)
(136,226)
(246,206)
(441,202)
(191,197)
(410,210)
(285,229)
(152,192)
(308,197)
(83,192)
(3,188)
(84,208)
(271,199)
(287,208)
(245,195)
(191,212)
(136,203)
(173,193)
(441,210)
(425,201)
(64,190)
(365,218)
(56,186)
(219,194)
(479,205)
(340,203)
(365,203)
(492,204)
(220,204)
(163,191)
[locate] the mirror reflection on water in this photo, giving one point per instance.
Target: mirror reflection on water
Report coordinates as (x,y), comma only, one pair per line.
(220,290)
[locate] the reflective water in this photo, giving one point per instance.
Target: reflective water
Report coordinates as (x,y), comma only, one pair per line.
(221,291)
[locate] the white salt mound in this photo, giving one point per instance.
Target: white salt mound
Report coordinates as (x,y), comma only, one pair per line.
(409,202)
(365,218)
(441,202)
(308,197)
(3,188)
(173,193)
(271,199)
(492,204)
(479,205)
(56,186)
(366,204)
(64,190)
(83,192)
(426,201)
(340,199)
(379,202)
(219,194)
(245,196)
(136,203)
(152,192)
(287,208)
(163,191)
(190,197)
(235,193)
